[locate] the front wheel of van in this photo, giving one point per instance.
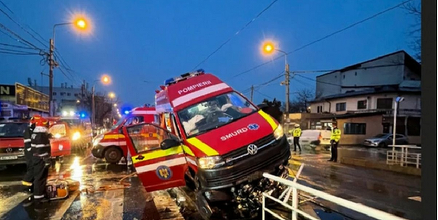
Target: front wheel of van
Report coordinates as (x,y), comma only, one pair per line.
(113,155)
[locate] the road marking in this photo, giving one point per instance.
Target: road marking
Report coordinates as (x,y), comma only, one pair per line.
(65,206)
(12,202)
(415,198)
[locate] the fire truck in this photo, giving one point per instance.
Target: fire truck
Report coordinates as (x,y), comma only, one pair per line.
(213,140)
(112,144)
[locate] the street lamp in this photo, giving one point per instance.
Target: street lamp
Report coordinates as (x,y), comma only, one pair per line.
(80,24)
(268,48)
(112,95)
(105,79)
(397,100)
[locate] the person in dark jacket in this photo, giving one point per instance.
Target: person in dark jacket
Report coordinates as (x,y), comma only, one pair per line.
(28,154)
(40,143)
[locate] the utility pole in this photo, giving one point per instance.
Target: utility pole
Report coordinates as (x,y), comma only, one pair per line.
(93,119)
(51,65)
(287,98)
(252,91)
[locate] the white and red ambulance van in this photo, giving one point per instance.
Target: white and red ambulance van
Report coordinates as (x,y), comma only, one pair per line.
(213,140)
(112,144)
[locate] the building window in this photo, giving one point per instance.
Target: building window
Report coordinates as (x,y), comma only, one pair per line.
(341,106)
(319,109)
(362,104)
(355,128)
(54,93)
(68,94)
(384,103)
(414,126)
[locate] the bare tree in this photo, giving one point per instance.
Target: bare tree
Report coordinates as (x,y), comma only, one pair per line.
(415,32)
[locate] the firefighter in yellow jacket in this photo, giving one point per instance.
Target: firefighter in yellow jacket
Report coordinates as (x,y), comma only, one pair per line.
(296,133)
(334,140)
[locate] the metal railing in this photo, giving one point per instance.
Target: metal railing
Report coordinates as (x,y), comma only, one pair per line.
(400,155)
(294,187)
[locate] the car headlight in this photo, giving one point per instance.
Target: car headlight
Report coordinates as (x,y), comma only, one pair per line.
(76,135)
(278,133)
(57,135)
(97,139)
(210,162)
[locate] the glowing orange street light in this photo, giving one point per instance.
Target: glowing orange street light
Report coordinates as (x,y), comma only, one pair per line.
(81,23)
(268,48)
(112,95)
(105,79)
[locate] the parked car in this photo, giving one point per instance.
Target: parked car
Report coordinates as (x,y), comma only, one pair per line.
(313,138)
(384,140)
(12,142)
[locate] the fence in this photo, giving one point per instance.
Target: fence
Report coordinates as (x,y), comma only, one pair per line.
(294,187)
(400,155)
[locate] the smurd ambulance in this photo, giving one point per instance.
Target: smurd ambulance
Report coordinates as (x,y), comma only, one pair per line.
(212,139)
(112,144)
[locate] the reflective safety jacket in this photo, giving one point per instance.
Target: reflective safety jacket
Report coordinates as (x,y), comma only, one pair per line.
(40,141)
(27,140)
(296,132)
(336,134)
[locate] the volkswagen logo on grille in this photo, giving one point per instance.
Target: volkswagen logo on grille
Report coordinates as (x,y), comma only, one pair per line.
(8,150)
(252,149)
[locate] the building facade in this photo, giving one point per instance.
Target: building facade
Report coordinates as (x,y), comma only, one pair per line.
(372,86)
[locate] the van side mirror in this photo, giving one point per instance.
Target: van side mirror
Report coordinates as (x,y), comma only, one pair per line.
(262,105)
(169,143)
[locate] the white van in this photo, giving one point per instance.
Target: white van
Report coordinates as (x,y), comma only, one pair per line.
(313,138)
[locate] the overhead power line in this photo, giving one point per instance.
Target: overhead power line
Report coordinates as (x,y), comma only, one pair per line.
(19,38)
(22,28)
(240,30)
(325,37)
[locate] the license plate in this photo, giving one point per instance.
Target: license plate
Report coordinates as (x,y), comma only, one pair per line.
(8,158)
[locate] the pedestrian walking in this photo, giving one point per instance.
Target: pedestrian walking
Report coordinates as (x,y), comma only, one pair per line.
(41,153)
(334,141)
(296,133)
(27,181)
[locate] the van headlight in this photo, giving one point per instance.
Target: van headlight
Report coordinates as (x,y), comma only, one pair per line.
(97,139)
(76,135)
(278,132)
(210,162)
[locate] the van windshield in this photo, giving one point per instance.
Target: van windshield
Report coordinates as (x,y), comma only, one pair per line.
(214,112)
(118,123)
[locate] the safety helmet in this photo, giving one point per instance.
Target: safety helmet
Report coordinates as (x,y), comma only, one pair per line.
(39,121)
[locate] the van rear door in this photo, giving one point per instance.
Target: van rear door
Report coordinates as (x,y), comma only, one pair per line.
(157,169)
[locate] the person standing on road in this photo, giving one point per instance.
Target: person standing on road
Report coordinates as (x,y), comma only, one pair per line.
(296,133)
(41,153)
(334,141)
(28,154)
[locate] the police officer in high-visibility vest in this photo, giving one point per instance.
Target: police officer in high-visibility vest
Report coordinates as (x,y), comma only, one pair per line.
(40,143)
(28,154)
(296,133)
(334,140)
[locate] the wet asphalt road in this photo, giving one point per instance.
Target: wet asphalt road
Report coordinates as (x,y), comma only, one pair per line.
(108,198)
(383,190)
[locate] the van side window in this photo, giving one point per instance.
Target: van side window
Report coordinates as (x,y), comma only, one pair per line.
(147,137)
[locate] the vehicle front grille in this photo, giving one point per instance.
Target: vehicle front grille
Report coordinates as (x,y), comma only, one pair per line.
(11,150)
(243,150)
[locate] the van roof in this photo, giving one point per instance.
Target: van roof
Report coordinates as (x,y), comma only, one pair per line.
(143,111)
(189,90)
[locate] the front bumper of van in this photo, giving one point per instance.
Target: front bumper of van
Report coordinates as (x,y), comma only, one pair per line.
(248,169)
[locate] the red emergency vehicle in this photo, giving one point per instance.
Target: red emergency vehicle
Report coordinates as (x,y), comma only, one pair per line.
(12,141)
(214,140)
(112,144)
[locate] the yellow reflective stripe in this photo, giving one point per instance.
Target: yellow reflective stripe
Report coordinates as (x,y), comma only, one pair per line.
(202,146)
(113,136)
(188,151)
(26,183)
(269,119)
(157,154)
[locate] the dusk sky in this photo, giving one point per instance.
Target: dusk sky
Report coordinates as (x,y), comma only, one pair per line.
(138,41)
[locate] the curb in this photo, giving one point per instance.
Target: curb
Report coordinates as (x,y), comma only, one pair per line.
(381,166)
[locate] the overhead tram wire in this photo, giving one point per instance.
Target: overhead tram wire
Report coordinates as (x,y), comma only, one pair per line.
(241,29)
(323,38)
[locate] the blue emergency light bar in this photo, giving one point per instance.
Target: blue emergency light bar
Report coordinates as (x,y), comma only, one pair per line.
(183,77)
